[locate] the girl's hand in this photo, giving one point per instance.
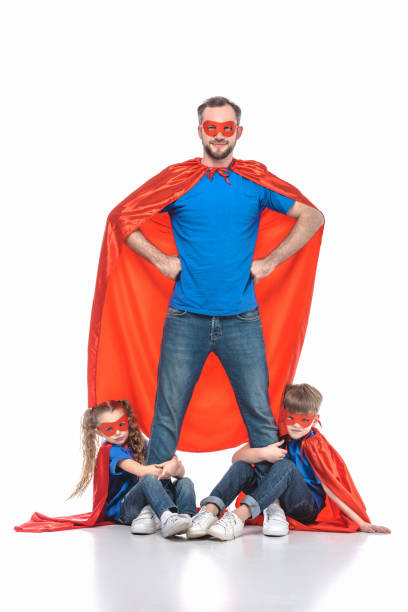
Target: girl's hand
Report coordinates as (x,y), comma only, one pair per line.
(369,528)
(273,452)
(156,470)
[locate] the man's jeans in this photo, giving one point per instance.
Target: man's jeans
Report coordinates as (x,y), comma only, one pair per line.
(178,496)
(188,339)
(283,481)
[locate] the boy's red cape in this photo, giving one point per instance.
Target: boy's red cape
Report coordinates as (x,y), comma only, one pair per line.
(40,522)
(332,471)
(131,298)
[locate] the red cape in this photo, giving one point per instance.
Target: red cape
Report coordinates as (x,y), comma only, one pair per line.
(333,473)
(40,522)
(131,298)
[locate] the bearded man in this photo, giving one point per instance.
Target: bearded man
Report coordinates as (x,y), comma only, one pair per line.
(213,307)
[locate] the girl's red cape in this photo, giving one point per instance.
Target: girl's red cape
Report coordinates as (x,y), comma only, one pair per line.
(39,522)
(332,471)
(131,298)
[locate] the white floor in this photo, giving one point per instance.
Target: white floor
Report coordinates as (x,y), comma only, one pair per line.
(106,569)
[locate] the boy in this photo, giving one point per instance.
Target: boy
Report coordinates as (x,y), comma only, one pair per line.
(303,478)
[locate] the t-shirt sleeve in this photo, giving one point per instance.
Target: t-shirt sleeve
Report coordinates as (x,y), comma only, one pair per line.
(275,201)
(117,453)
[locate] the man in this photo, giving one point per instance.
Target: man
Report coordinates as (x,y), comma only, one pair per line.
(213,307)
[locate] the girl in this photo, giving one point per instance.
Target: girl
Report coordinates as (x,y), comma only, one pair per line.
(135,495)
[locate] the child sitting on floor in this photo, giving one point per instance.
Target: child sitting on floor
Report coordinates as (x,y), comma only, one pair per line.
(136,497)
(300,478)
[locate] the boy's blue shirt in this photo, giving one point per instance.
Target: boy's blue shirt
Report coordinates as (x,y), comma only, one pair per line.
(215,226)
(304,467)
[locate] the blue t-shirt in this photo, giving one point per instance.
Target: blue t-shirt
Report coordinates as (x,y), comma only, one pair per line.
(120,482)
(304,467)
(215,226)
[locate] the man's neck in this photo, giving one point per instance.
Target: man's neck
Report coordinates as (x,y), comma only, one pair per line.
(209,161)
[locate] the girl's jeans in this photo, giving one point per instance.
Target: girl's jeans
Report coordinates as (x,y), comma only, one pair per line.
(283,481)
(178,497)
(188,339)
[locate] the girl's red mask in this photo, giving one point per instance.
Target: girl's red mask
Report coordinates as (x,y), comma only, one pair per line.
(109,429)
(211,128)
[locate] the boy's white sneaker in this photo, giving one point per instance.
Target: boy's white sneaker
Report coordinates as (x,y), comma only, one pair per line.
(275,523)
(227,527)
(200,524)
(146,522)
(175,524)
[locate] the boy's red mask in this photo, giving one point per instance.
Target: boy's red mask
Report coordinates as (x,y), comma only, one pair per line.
(304,420)
(213,127)
(109,429)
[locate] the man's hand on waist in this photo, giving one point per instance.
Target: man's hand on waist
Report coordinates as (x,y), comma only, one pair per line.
(261,268)
(170,265)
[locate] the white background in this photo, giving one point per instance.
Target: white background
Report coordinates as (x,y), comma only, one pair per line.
(98,97)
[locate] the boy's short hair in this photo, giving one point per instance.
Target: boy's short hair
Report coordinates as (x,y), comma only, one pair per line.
(302,399)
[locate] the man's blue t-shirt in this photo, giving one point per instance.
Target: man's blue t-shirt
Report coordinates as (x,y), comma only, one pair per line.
(120,482)
(304,467)
(215,226)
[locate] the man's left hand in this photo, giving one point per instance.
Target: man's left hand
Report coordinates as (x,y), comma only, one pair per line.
(261,268)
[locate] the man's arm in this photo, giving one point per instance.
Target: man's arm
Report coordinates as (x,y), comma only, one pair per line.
(309,220)
(271,453)
(362,525)
(169,265)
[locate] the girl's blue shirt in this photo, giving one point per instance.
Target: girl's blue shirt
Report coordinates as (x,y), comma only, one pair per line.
(120,482)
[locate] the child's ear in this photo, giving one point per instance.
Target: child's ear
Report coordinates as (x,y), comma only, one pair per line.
(96,430)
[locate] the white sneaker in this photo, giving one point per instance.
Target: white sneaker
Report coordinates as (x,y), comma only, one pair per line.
(228,527)
(146,522)
(200,524)
(275,523)
(174,524)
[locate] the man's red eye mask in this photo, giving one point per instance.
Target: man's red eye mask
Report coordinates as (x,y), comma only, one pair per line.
(213,127)
(109,429)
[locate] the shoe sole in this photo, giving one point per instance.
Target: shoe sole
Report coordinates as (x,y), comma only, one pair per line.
(141,531)
(275,533)
(222,537)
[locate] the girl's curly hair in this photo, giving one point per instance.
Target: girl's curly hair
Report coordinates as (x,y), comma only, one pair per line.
(91,441)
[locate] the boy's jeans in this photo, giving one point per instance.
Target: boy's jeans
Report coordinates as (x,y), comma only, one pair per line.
(283,481)
(188,339)
(178,496)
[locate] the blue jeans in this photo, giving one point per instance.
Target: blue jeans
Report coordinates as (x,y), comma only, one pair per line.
(283,481)
(188,339)
(178,496)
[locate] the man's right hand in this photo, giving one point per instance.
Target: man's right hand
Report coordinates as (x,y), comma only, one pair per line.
(170,265)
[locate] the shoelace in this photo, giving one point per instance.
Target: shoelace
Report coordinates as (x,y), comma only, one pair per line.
(224,172)
(201,517)
(228,518)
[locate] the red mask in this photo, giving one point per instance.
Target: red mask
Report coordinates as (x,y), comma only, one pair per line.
(304,420)
(109,429)
(213,127)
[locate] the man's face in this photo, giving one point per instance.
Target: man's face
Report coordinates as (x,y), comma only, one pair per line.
(219,146)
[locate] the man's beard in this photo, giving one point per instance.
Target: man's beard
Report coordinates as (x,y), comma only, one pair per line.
(219,154)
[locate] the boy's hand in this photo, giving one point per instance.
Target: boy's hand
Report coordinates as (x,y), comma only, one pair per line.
(273,452)
(156,470)
(369,528)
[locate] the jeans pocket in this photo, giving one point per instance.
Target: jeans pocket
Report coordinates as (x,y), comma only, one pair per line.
(249,315)
(175,312)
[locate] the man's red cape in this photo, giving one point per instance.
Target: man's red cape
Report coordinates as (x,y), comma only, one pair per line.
(40,522)
(131,298)
(332,471)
